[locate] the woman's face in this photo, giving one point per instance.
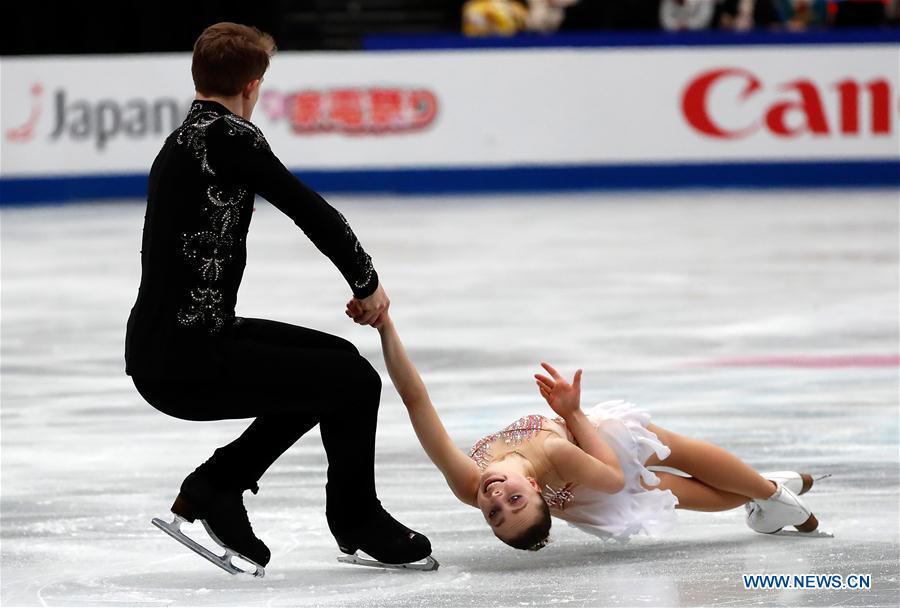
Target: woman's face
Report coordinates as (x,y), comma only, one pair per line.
(509,501)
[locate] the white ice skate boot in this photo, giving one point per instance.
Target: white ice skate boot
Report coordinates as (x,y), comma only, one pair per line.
(798,483)
(783,508)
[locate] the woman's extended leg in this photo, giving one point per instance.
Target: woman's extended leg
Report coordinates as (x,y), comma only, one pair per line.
(695,495)
(712,465)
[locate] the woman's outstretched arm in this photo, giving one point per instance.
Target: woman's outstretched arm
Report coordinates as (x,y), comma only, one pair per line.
(460,471)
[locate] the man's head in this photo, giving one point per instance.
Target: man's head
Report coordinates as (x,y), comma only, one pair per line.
(513,507)
(230,60)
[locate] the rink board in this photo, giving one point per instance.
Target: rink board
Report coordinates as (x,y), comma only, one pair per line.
(480,119)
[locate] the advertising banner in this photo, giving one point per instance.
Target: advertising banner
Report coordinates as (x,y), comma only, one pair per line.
(475,109)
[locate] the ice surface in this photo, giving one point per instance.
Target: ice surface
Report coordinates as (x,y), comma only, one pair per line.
(765,322)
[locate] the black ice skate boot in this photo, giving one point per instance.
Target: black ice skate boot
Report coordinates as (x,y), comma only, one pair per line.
(222,513)
(390,543)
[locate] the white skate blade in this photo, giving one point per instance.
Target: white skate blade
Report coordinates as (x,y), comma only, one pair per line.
(814,534)
(222,561)
(427,564)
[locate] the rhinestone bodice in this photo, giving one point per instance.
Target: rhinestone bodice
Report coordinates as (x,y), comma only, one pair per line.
(518,432)
(558,498)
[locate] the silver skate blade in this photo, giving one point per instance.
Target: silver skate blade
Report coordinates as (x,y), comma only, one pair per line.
(427,564)
(814,534)
(222,561)
(230,553)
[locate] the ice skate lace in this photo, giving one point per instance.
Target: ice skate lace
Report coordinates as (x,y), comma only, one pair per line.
(245,516)
(240,511)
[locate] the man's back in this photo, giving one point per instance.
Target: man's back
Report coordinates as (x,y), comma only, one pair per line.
(193,246)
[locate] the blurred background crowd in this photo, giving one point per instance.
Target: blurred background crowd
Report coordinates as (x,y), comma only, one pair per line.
(479,16)
(345,24)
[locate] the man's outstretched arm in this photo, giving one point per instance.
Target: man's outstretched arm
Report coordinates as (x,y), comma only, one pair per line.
(325,226)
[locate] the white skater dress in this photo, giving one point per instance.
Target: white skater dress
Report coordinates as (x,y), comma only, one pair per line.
(618,516)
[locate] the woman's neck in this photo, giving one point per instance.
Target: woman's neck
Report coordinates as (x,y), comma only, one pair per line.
(535,458)
(523,464)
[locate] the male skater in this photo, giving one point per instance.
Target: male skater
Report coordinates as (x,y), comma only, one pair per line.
(192,358)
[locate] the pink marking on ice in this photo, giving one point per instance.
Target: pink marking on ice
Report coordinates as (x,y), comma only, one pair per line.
(821,361)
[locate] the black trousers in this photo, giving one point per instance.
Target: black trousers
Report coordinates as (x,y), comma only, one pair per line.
(289,379)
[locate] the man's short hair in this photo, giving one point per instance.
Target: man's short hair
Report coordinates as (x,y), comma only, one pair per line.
(227,56)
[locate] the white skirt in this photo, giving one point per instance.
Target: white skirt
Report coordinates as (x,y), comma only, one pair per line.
(634,509)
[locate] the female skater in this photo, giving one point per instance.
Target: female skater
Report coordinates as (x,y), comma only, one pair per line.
(588,468)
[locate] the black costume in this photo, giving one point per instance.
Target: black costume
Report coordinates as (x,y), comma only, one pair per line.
(191,358)
(199,203)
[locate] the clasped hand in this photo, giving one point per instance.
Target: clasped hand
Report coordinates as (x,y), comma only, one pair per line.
(370,310)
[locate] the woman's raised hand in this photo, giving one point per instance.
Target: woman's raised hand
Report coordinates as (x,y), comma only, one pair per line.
(562,397)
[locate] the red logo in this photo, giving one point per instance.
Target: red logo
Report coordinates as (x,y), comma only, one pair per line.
(801,111)
(25,131)
(353,110)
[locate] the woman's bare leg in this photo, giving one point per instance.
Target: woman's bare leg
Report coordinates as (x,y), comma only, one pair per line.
(712,465)
(697,496)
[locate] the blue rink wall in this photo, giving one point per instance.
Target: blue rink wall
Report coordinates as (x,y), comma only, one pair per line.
(838,174)
(691,125)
